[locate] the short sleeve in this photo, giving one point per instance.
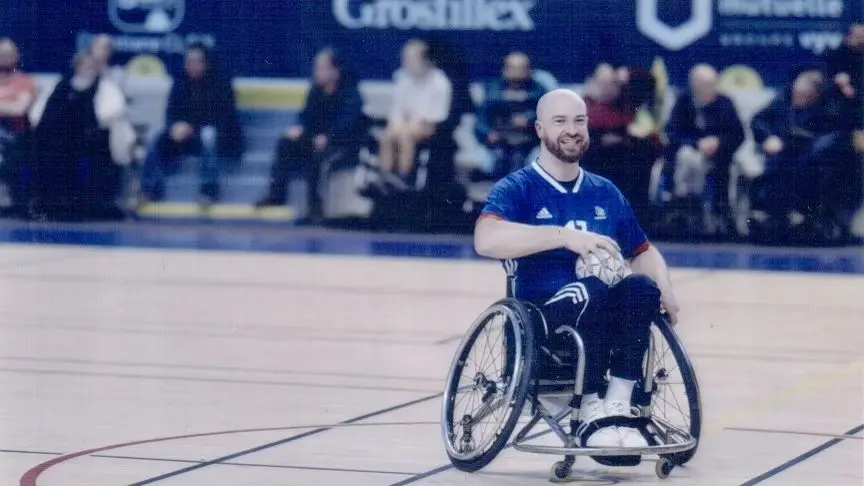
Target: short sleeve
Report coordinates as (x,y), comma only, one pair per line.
(503,201)
(629,232)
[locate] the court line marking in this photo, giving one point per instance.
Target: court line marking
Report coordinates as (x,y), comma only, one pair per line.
(239,464)
(238,369)
(277,443)
(794,432)
(30,476)
(333,338)
(193,379)
(298,287)
(447,467)
(800,458)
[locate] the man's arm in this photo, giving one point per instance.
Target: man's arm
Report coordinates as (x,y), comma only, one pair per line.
(651,263)
(496,238)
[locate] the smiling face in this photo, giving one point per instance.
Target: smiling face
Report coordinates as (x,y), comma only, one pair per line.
(562,125)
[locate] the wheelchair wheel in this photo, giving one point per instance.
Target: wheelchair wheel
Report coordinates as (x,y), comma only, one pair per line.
(487,385)
(675,401)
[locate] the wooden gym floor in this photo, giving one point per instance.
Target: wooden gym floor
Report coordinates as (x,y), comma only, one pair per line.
(124,366)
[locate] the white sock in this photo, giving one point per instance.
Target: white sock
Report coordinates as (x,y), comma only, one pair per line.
(587,400)
(620,390)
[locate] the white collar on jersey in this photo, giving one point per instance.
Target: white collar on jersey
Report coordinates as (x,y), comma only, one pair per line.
(551,180)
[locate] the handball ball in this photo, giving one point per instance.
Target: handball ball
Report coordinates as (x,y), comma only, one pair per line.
(609,268)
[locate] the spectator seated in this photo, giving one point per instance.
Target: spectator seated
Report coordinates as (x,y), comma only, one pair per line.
(704,131)
(809,164)
(201,121)
(74,172)
(505,118)
(624,146)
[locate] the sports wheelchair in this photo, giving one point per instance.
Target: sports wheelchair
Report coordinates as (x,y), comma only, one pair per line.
(510,358)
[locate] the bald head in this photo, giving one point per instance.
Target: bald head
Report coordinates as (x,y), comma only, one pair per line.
(703,83)
(8,55)
(562,102)
(562,124)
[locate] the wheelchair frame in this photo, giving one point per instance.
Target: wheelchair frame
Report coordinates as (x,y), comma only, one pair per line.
(676,446)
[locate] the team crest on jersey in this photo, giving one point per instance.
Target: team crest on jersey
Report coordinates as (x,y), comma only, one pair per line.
(544,214)
(599,213)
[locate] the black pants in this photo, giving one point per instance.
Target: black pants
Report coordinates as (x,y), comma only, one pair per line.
(614,323)
(300,157)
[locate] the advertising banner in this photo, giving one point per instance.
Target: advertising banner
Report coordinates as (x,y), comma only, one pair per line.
(277,38)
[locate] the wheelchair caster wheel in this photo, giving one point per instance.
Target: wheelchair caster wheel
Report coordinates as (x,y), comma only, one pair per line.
(664,468)
(561,472)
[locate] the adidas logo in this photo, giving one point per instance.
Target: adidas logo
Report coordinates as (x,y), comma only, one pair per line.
(544,214)
(599,213)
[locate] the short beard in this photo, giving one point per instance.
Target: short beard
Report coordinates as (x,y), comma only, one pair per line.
(556,150)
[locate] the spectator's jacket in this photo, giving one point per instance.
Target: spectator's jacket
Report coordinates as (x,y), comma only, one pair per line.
(795,126)
(339,116)
(209,101)
(718,119)
(495,112)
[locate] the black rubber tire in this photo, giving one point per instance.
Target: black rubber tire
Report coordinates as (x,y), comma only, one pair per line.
(525,329)
(691,387)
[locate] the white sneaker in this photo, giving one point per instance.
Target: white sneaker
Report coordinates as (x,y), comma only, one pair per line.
(628,436)
(605,437)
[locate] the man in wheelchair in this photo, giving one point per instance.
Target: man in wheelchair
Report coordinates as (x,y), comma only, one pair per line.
(544,217)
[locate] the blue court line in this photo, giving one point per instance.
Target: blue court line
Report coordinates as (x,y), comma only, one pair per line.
(801,458)
(848,260)
(241,464)
(281,441)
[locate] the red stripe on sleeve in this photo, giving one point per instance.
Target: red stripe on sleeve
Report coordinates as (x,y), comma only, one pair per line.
(641,249)
(491,216)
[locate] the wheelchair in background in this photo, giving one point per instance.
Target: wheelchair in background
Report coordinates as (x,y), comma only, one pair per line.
(510,360)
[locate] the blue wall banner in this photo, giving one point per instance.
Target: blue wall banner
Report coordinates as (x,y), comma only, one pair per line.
(276,38)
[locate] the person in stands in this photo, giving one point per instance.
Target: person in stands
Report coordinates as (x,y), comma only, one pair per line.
(202,121)
(17,95)
(330,129)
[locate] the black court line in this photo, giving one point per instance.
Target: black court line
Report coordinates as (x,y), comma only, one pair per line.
(794,432)
(193,379)
(447,467)
(800,458)
(39,453)
(237,369)
(241,464)
(286,440)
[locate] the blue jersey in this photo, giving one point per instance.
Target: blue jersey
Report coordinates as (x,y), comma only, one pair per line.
(532,196)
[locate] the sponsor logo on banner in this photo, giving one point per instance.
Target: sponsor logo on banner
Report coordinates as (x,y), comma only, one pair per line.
(146,16)
(148,27)
(493,15)
(678,37)
(812,25)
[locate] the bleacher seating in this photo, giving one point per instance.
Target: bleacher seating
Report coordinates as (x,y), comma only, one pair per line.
(263,124)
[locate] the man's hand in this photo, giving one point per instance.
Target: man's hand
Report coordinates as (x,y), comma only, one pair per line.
(181,131)
(294,133)
(858,141)
(708,146)
(586,242)
(844,82)
(320,142)
(492,138)
(772,145)
(669,304)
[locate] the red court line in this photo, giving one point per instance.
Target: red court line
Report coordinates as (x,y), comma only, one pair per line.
(29,478)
